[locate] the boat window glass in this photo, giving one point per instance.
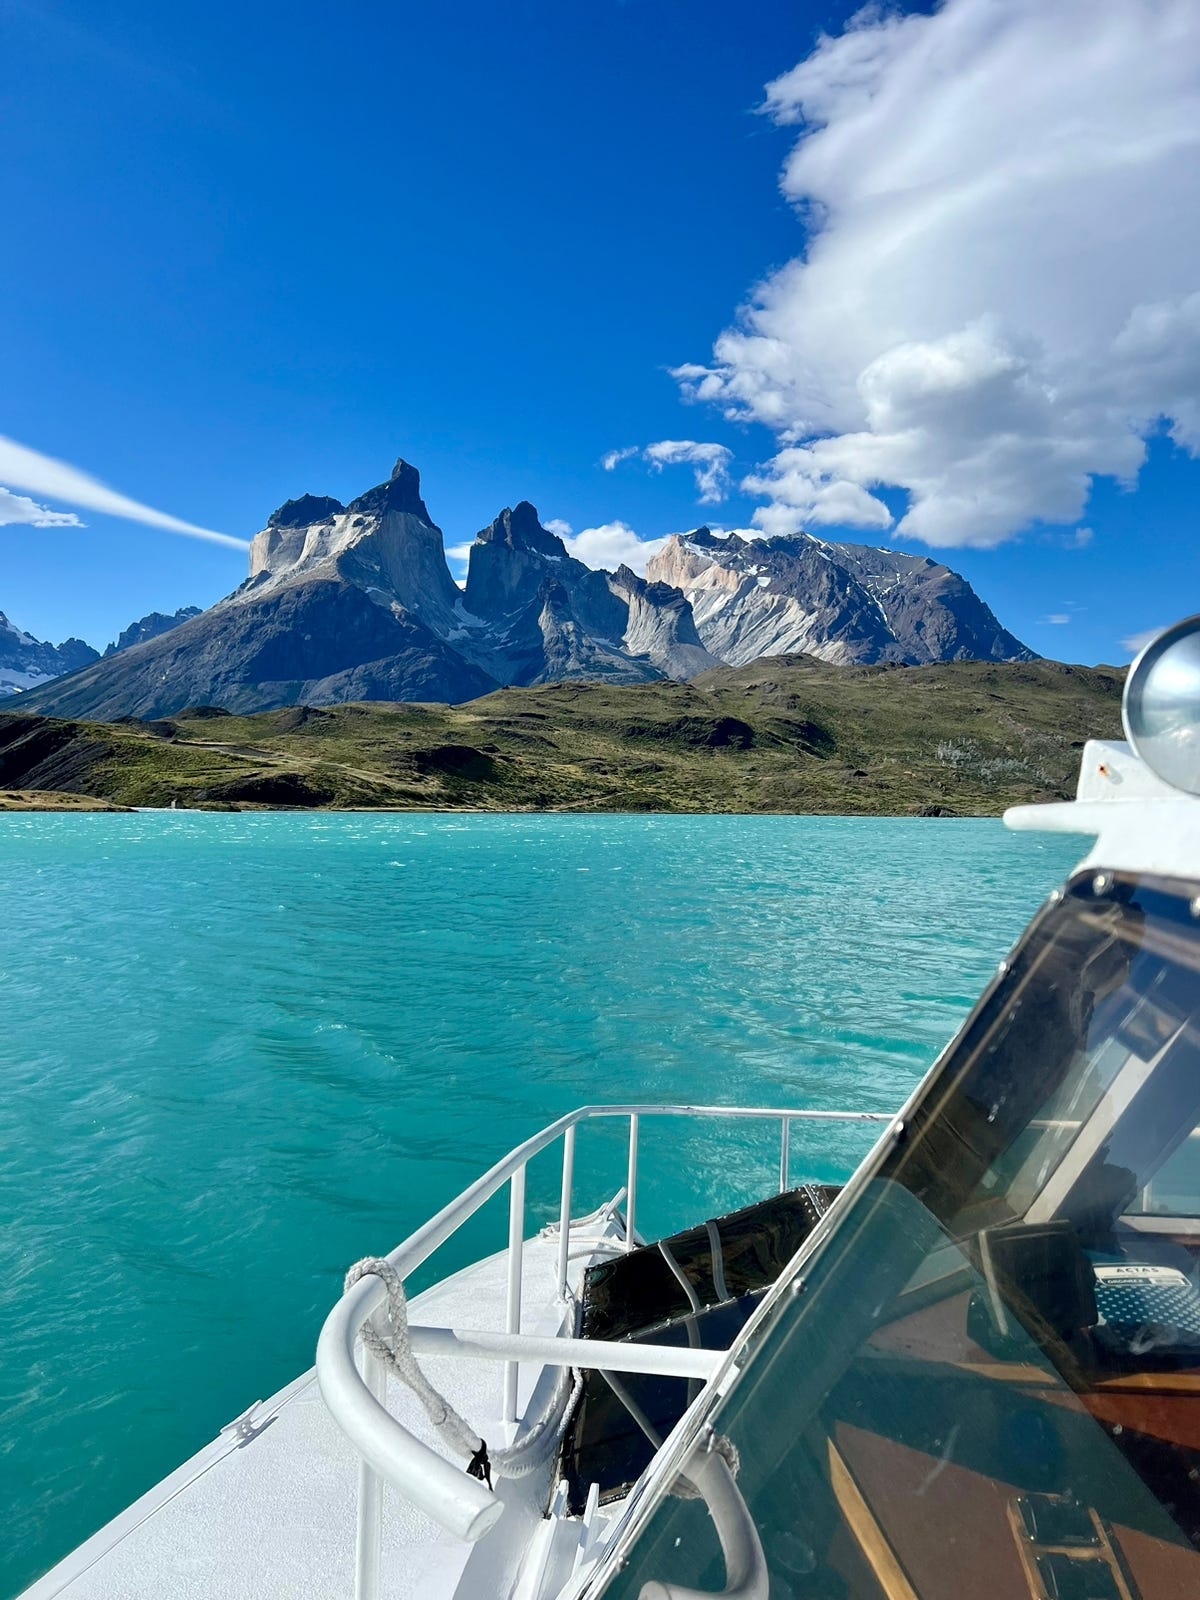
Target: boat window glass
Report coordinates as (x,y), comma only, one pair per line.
(987,1379)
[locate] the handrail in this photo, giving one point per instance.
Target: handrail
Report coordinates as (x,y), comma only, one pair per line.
(460,1504)
(614,1355)
(746,1574)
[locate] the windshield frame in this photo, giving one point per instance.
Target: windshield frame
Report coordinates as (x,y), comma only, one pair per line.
(924,1106)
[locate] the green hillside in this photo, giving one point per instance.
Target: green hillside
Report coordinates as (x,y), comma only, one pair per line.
(786,734)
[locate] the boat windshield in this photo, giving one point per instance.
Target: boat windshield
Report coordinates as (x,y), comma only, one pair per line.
(987,1378)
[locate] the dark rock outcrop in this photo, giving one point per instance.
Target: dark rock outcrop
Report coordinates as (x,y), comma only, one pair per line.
(401,493)
(148,627)
(307,509)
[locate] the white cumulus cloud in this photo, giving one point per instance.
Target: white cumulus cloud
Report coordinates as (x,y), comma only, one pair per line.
(611,545)
(1000,295)
(23,468)
(19,508)
(710,461)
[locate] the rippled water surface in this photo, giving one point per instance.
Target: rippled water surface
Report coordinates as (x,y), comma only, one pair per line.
(240,1051)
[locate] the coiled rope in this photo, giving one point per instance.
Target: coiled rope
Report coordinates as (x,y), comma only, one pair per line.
(395,1351)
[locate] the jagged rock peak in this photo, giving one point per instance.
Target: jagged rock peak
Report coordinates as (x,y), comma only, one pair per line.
(301,513)
(710,540)
(152,626)
(520,529)
(628,582)
(402,493)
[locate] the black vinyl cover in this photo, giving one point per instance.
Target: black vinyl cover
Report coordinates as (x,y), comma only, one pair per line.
(638,1296)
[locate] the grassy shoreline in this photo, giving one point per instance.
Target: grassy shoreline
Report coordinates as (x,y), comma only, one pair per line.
(783,735)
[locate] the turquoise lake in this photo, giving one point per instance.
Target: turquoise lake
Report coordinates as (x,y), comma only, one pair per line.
(241,1051)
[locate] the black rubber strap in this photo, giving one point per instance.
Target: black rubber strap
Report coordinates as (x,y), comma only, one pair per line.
(480,1466)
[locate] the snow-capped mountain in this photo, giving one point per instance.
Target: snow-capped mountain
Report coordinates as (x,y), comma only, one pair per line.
(26,662)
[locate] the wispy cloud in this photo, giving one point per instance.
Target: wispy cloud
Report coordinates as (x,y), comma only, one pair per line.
(1056,618)
(710,462)
(23,468)
(1135,643)
(946,334)
(19,508)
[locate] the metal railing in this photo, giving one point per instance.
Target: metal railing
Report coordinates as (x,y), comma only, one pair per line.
(388,1452)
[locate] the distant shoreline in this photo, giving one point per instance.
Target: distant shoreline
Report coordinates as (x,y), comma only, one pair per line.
(55,800)
(786,735)
(30,802)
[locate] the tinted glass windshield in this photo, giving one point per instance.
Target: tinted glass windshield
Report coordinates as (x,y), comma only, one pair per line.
(987,1380)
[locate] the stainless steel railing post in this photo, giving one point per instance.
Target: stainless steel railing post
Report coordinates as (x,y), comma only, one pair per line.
(368,1540)
(631,1183)
(512,1324)
(564,1214)
(785,1150)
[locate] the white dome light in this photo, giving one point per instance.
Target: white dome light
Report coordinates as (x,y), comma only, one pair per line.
(1161,708)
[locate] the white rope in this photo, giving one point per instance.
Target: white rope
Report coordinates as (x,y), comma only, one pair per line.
(396,1353)
(526,1453)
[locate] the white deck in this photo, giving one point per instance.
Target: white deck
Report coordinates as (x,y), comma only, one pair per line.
(274,1515)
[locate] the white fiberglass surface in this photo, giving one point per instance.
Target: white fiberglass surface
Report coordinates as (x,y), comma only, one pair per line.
(275,1519)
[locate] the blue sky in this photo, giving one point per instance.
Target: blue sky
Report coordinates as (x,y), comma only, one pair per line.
(261,250)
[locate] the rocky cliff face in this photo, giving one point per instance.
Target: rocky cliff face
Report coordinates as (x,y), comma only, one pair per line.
(26,662)
(384,543)
(841,602)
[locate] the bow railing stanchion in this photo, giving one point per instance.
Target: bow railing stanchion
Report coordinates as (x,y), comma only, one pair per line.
(368,1540)
(564,1213)
(631,1185)
(785,1150)
(512,1323)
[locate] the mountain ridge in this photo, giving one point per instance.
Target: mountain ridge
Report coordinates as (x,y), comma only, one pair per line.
(356,602)
(841,602)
